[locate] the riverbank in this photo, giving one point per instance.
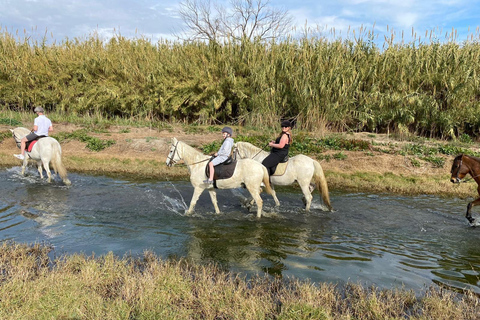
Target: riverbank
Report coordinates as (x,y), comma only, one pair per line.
(141,152)
(34,286)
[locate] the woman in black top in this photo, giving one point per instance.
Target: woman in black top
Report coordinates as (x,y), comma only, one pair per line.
(279,148)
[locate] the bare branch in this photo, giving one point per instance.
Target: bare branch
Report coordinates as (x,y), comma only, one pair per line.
(244,20)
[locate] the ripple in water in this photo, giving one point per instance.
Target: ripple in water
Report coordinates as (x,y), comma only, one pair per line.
(382,240)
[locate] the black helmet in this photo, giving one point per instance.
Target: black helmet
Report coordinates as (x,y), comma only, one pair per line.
(286,123)
(228,130)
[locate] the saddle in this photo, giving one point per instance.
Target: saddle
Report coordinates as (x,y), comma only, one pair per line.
(29,145)
(224,170)
(281,168)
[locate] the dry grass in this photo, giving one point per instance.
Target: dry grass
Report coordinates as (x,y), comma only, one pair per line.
(34,286)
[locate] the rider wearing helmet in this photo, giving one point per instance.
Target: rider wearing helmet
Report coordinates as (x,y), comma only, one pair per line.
(222,154)
(279,148)
(41,127)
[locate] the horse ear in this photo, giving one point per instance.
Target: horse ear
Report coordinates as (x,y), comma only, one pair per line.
(174,140)
(11,130)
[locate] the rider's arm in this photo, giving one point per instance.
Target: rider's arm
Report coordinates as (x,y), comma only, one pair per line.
(281,144)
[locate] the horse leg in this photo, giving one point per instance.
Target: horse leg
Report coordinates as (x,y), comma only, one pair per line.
(40,168)
(274,195)
(196,194)
(307,196)
(24,166)
(47,169)
(213,196)
(470,206)
(258,200)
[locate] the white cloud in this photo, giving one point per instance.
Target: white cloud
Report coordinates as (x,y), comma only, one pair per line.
(159,19)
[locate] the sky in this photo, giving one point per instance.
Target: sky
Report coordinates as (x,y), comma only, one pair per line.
(156,20)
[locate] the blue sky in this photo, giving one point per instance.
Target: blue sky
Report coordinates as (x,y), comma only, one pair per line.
(155,20)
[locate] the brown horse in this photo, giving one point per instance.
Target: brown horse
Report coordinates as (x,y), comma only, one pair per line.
(463,165)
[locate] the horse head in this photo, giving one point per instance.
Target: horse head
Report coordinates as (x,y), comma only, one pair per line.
(18,133)
(173,156)
(459,169)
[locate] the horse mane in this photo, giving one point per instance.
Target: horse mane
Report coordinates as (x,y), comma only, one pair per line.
(196,153)
(19,133)
(472,157)
(250,147)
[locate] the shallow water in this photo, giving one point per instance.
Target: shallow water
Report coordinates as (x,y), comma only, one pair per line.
(383,240)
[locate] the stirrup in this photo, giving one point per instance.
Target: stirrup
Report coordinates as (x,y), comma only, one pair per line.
(208,181)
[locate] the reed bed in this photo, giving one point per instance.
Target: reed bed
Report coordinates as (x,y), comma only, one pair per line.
(426,87)
(34,285)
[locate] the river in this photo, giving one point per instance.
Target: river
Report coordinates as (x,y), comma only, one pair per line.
(389,241)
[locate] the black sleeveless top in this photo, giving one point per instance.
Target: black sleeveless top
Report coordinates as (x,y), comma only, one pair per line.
(283,151)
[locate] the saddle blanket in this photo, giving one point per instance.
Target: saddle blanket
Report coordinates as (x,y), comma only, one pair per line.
(281,168)
(29,145)
(222,171)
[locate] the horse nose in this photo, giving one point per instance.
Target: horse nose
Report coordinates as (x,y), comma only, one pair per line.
(453,180)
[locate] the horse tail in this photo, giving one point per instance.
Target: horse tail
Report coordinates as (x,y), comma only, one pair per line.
(321,183)
(57,164)
(266,180)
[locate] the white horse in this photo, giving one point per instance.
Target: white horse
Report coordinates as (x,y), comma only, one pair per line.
(300,168)
(45,151)
(248,173)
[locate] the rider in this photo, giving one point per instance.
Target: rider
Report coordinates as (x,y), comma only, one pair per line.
(279,148)
(222,154)
(41,127)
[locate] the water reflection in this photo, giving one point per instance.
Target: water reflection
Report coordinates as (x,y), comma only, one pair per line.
(382,240)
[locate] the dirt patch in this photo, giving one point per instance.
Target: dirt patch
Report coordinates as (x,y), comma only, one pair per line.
(141,152)
(151,144)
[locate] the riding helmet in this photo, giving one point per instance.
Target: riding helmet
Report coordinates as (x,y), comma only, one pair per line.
(38,109)
(228,130)
(286,123)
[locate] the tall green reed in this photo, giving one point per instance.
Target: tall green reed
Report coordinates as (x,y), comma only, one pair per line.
(425,86)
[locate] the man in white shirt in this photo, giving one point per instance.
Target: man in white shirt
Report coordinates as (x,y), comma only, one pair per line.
(41,127)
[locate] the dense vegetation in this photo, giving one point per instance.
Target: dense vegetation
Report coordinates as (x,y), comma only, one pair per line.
(430,89)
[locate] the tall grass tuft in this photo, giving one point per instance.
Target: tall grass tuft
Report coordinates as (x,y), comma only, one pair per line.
(34,286)
(425,86)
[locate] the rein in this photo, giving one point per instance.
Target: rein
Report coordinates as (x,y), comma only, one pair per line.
(175,162)
(256,154)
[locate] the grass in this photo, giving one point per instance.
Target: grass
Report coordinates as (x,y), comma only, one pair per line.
(35,286)
(92,143)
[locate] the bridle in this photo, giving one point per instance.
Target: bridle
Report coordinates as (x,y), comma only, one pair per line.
(172,161)
(17,141)
(175,151)
(458,170)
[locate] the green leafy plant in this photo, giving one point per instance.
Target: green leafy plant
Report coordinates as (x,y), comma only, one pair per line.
(92,143)
(10,122)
